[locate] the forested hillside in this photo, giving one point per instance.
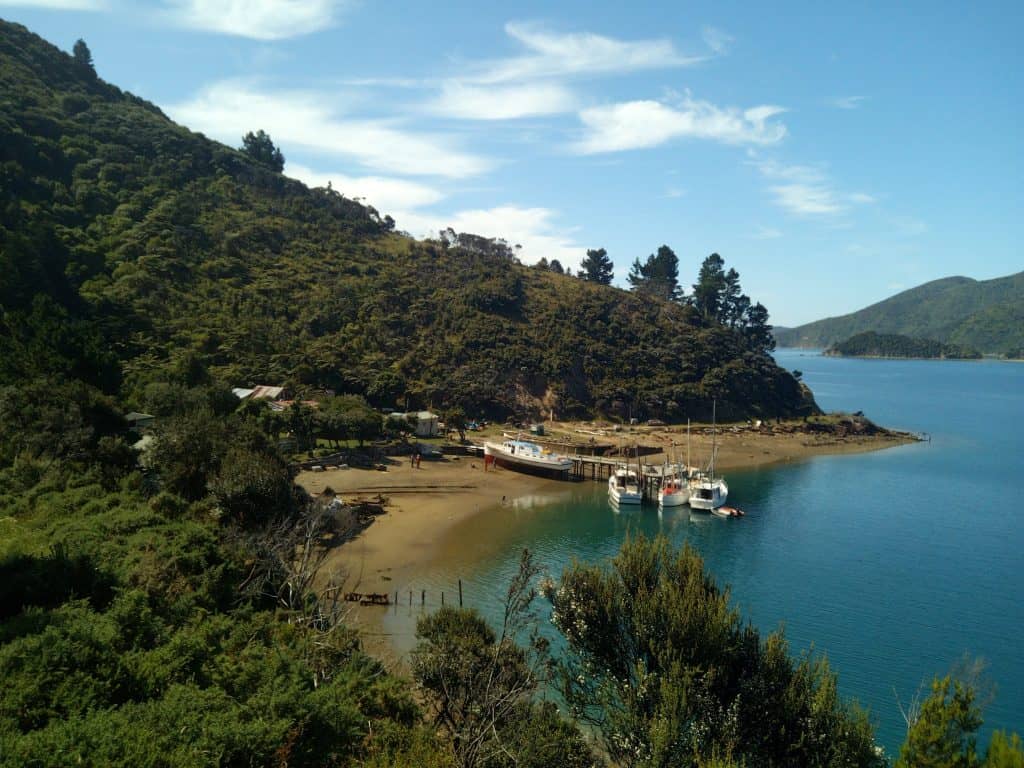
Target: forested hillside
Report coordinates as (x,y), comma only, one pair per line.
(871,344)
(130,246)
(987,315)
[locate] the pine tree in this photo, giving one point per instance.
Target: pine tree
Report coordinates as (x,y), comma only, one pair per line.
(658,276)
(260,148)
(597,267)
(707,292)
(83,56)
(942,735)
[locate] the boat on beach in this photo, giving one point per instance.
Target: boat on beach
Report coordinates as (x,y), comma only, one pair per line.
(624,487)
(525,456)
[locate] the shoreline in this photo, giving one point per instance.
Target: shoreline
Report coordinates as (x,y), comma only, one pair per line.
(423,505)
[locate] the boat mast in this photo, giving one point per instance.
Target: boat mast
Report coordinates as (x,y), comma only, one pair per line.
(687,449)
(714,437)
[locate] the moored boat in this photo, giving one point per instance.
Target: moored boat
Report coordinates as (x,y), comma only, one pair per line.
(524,456)
(674,493)
(707,492)
(624,487)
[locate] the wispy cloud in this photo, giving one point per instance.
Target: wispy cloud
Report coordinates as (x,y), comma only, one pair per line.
(383,193)
(228,109)
(766,233)
(639,124)
(551,54)
(257,19)
(847,102)
(58,5)
(805,190)
(717,40)
(477,102)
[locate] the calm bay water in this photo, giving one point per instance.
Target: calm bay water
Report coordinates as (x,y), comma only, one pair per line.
(893,563)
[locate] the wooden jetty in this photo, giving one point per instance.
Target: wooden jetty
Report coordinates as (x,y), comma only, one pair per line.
(601,468)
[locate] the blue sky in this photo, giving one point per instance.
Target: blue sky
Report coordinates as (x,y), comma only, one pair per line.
(833,155)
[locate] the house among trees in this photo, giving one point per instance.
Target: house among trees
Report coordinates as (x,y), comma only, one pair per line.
(427,423)
(139,421)
(262,392)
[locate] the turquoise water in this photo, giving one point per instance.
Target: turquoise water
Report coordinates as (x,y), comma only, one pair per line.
(893,563)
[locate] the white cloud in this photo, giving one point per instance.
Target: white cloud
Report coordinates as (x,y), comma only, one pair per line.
(638,124)
(847,102)
(230,108)
(861,198)
(806,198)
(581,53)
(58,5)
(257,19)
(532,228)
(806,190)
(717,40)
(475,102)
(383,193)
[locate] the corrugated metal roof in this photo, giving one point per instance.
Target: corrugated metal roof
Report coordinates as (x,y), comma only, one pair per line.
(263,391)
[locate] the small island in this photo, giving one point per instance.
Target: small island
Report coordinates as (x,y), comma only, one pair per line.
(891,345)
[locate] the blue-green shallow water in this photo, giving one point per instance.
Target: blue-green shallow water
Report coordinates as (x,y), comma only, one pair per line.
(893,563)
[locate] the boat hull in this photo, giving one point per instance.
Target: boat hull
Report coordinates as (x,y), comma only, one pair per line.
(676,499)
(553,466)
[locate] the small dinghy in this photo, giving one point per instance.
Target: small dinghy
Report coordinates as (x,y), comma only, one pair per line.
(727,512)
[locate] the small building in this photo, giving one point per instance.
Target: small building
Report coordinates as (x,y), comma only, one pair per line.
(427,424)
(261,392)
(138,420)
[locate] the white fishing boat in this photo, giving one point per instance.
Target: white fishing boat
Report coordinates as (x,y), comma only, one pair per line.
(708,492)
(675,492)
(525,456)
(624,487)
(675,485)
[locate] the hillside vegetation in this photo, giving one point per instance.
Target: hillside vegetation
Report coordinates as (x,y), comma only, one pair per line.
(871,344)
(986,315)
(171,609)
(132,246)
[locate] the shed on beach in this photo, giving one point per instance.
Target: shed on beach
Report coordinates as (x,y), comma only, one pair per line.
(427,423)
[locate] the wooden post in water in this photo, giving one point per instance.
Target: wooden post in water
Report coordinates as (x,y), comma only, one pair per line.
(460,593)
(410,598)
(442,599)
(423,598)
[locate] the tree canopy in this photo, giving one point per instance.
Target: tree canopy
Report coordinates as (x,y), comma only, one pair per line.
(597,267)
(658,276)
(260,148)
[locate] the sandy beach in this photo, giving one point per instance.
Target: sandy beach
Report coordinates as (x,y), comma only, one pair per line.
(423,504)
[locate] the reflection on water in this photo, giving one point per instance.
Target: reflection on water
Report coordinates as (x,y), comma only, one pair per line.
(893,563)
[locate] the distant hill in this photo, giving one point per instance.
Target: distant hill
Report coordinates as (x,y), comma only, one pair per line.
(871,344)
(987,315)
(133,251)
